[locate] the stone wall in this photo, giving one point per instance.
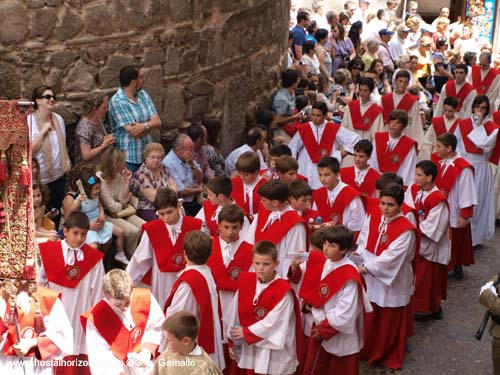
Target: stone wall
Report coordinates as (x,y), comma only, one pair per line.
(200,57)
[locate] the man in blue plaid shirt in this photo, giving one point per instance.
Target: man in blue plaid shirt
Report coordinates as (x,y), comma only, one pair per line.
(132,116)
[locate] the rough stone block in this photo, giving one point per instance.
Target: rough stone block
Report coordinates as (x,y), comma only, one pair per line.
(10,84)
(97,20)
(173,62)
(108,76)
(35,4)
(174,106)
(201,87)
(155,56)
(62,59)
(153,84)
(42,22)
(189,61)
(198,107)
(180,10)
(53,3)
(71,24)
(54,79)
(14,26)
(80,78)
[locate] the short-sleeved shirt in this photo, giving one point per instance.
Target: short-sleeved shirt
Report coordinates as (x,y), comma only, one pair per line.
(181,173)
(299,37)
(284,103)
(124,111)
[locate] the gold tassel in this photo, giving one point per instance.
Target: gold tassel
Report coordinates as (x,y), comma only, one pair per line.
(4,166)
(25,173)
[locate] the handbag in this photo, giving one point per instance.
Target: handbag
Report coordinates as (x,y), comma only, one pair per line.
(130,209)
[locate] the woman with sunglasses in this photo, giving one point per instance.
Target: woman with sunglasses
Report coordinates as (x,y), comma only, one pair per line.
(48,134)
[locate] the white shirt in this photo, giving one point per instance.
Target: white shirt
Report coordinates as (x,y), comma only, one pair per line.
(465,111)
(232,158)
(377,125)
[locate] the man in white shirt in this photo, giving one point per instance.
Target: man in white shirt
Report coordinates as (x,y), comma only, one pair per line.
(256,142)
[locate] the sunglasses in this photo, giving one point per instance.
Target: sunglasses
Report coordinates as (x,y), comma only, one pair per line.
(48,97)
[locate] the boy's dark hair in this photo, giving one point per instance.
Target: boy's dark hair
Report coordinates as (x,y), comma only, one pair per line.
(330,162)
(286,163)
(195,132)
(463,67)
(280,150)
(321,106)
(77,219)
(275,190)
(428,167)
(387,179)
(340,235)
(289,77)
(317,238)
(451,101)
(403,74)
(232,214)
(248,162)
(394,191)
(364,146)
(480,99)
(399,115)
(301,101)
(266,248)
(220,185)
(166,197)
(128,74)
(265,117)
(197,247)
(448,139)
(367,81)
(181,324)
(299,189)
(302,16)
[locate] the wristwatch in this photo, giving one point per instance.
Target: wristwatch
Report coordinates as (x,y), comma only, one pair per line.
(146,125)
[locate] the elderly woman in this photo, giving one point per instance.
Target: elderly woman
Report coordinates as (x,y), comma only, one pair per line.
(48,134)
(90,133)
(150,176)
(115,196)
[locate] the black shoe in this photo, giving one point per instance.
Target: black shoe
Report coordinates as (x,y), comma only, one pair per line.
(497,222)
(421,317)
(458,273)
(437,315)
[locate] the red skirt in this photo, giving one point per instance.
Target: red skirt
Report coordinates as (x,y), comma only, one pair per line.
(462,253)
(385,334)
(76,369)
(431,285)
(320,362)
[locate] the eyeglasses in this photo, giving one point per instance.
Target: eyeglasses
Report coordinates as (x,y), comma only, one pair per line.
(48,97)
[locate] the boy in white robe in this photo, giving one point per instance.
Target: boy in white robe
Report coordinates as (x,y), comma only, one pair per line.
(264,317)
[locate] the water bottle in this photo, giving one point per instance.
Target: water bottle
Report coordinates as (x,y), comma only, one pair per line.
(318,220)
(237,346)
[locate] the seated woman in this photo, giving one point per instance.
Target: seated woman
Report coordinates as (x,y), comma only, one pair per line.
(91,136)
(150,176)
(116,195)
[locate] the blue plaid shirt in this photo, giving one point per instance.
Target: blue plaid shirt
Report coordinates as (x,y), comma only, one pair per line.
(122,112)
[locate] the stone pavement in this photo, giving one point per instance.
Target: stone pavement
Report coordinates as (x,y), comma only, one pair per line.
(448,346)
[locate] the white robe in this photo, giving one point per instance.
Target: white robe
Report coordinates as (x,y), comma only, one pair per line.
(345,139)
(101,358)
(389,277)
(407,168)
(143,260)
(353,214)
(77,300)
(415,128)
(429,144)
(377,125)
(58,330)
(276,352)
(295,240)
(435,242)
(184,300)
(483,219)
(466,109)
(201,215)
(493,90)
(462,194)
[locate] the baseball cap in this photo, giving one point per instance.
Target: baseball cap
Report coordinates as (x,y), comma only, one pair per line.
(385,32)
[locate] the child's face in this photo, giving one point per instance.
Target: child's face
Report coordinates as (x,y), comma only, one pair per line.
(361,159)
(34,170)
(328,178)
(442,150)
(269,204)
(178,346)
(389,206)
(402,84)
(169,215)
(37,198)
(421,180)
(264,266)
(121,304)
(288,177)
(249,178)
(96,189)
(229,232)
(395,128)
(332,251)
(272,162)
(448,111)
(213,198)
(302,203)
(75,237)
